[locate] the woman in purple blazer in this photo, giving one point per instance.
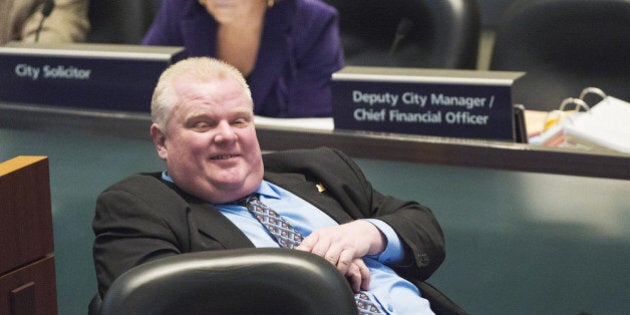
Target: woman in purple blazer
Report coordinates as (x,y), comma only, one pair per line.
(287,50)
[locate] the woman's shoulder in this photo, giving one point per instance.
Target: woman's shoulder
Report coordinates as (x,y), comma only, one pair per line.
(314,7)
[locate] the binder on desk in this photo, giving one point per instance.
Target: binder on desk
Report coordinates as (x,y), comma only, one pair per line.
(605,126)
(602,126)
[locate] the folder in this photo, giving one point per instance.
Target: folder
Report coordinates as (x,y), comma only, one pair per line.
(604,126)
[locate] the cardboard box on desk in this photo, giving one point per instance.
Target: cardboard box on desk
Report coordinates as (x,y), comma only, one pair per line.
(82,75)
(448,103)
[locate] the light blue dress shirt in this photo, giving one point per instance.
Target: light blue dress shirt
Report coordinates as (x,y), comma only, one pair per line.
(394,294)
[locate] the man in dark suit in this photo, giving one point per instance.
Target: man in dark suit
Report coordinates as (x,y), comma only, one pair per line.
(203,129)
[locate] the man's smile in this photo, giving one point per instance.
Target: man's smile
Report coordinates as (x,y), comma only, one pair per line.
(223,156)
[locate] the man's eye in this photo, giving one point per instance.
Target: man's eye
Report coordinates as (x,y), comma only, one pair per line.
(242,121)
(201,125)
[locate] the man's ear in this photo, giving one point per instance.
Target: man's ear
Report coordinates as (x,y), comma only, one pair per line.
(159,140)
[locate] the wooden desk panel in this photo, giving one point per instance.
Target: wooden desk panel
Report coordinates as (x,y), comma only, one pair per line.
(30,289)
(27,265)
(26,218)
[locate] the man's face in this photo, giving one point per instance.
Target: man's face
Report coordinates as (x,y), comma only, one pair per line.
(209,143)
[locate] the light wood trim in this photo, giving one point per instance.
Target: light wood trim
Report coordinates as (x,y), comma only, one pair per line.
(19,162)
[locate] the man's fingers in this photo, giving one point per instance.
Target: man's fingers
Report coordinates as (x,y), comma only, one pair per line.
(308,243)
(358,275)
(322,248)
(345,261)
(365,275)
(354,277)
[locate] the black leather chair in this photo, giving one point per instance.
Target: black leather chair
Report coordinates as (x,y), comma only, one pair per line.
(564,46)
(120,21)
(409,33)
(243,281)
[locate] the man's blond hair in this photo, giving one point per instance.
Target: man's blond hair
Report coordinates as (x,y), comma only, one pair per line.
(200,69)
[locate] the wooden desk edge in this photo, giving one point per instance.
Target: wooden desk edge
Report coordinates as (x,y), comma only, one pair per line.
(358,144)
(19,162)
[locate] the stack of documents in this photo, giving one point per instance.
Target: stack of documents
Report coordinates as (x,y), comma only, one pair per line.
(606,126)
(603,126)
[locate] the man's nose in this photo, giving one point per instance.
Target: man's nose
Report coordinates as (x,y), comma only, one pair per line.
(224,133)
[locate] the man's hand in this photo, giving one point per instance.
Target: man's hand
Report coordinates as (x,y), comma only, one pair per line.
(344,246)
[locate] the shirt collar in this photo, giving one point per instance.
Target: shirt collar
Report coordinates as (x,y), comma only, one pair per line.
(268,190)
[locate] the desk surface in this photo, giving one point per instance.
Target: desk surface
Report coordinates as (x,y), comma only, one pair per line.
(382,146)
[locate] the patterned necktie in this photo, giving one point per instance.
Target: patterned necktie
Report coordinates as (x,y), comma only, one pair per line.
(289,237)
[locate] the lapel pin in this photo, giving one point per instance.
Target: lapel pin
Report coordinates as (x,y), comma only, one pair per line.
(320,187)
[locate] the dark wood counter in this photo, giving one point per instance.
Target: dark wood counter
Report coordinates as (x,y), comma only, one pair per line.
(456,152)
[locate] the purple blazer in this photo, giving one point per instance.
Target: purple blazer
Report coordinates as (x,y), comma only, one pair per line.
(300,49)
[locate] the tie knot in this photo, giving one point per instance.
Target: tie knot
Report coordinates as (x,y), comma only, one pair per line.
(247,200)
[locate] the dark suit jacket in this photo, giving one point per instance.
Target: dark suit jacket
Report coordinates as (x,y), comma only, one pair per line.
(300,49)
(143,217)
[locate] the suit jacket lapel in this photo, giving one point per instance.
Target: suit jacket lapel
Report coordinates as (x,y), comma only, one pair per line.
(308,190)
(212,224)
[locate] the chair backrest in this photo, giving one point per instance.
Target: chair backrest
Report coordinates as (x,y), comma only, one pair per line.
(243,281)
(564,46)
(120,21)
(433,34)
